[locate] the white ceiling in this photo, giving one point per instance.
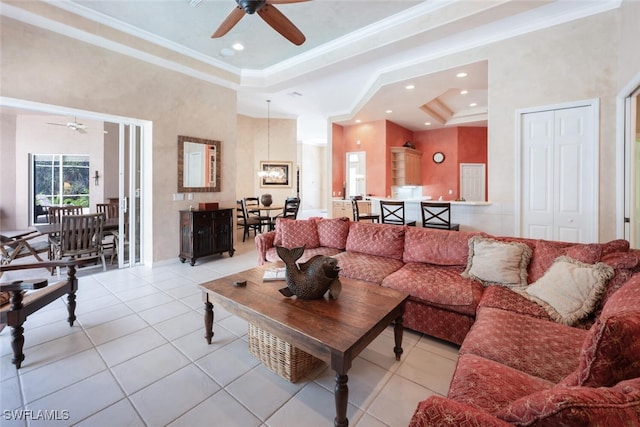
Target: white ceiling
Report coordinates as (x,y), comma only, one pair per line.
(357,59)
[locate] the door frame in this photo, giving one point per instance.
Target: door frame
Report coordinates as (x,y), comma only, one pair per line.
(624,160)
(595,110)
(146,145)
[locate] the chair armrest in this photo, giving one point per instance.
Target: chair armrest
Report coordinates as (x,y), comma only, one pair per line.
(437,411)
(45,264)
(23,285)
(264,242)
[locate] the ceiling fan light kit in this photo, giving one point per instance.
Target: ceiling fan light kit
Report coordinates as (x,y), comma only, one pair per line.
(269,13)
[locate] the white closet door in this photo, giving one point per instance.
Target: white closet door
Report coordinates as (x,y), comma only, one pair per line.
(559,183)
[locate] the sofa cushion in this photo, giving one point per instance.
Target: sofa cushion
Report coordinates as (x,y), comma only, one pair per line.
(370,268)
(440,247)
(546,253)
(293,233)
(435,285)
(506,299)
(332,233)
(570,289)
(611,351)
(577,406)
(382,240)
(618,245)
(501,263)
(491,386)
(538,347)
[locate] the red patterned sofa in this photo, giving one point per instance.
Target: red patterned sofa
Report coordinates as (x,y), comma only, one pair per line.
(428,263)
(517,365)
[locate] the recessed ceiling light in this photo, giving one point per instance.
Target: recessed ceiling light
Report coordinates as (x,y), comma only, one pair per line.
(427,123)
(358,120)
(461,74)
(389,111)
(464,92)
(473,104)
(409,87)
(238,46)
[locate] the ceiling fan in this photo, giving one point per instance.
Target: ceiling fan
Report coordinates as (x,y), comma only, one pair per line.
(75,125)
(269,13)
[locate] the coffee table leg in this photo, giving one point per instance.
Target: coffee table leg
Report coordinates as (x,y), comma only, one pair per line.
(397,333)
(208,321)
(341,394)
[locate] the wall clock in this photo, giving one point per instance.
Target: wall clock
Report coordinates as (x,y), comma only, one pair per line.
(438,157)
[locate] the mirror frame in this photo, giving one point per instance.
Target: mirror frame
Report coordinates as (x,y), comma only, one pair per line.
(181,188)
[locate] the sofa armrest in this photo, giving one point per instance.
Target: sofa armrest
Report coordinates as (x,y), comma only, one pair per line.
(440,411)
(264,242)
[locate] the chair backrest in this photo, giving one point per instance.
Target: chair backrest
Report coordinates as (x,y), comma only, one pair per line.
(81,234)
(291,207)
(356,210)
(250,202)
(436,214)
(110,210)
(55,213)
(392,212)
(241,212)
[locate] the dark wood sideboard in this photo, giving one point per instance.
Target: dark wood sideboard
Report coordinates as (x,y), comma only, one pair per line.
(204,233)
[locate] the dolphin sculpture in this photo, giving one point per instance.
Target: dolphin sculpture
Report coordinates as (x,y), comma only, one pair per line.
(312,279)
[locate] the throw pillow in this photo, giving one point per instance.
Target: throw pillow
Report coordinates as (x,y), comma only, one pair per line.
(294,233)
(547,251)
(376,239)
(493,262)
(570,289)
(333,232)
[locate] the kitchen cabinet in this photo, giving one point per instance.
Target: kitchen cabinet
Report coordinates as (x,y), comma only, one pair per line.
(406,166)
(342,208)
(205,232)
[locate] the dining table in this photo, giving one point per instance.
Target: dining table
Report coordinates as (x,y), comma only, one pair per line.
(267,211)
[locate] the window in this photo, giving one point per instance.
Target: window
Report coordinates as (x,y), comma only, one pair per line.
(58,180)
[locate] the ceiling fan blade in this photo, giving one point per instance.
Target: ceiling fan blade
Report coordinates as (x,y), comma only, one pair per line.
(232,19)
(56,124)
(281,24)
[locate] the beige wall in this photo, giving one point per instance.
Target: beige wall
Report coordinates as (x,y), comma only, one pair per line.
(49,68)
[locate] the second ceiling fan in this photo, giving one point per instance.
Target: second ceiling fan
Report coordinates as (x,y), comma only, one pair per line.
(269,13)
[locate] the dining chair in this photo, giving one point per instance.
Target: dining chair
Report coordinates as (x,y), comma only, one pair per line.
(289,210)
(110,210)
(393,213)
(252,208)
(80,235)
(21,246)
(358,217)
(55,213)
(437,215)
(41,207)
(20,305)
(246,222)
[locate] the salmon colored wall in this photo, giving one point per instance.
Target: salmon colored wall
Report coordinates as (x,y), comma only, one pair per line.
(372,140)
(459,145)
(337,159)
(438,179)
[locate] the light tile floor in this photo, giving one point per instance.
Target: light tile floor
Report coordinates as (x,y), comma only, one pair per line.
(137,357)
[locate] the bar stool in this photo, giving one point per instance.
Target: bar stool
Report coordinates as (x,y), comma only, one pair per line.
(393,213)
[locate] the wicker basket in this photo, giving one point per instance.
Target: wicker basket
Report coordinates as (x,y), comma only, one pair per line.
(279,356)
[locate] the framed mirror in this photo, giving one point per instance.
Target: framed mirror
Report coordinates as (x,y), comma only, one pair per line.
(198,165)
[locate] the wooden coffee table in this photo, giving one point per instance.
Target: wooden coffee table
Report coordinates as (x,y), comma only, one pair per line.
(334,331)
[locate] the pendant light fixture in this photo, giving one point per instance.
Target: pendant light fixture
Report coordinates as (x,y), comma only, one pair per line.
(273,173)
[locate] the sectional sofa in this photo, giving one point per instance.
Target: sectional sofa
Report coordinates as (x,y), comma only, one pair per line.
(549,332)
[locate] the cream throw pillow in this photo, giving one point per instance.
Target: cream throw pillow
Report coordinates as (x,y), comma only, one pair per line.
(493,262)
(570,289)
